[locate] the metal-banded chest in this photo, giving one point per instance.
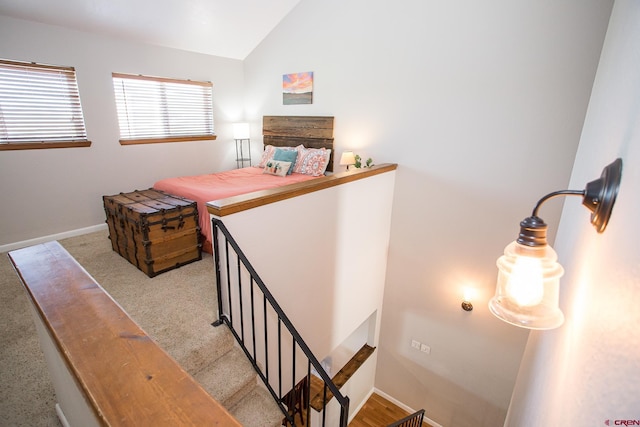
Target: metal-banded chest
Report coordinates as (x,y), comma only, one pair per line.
(155,231)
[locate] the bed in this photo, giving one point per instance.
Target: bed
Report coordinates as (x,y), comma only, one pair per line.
(296,149)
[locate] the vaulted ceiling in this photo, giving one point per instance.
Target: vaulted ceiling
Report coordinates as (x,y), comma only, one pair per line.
(228,28)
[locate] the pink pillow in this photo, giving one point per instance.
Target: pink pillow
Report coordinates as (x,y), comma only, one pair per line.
(267,155)
(311,161)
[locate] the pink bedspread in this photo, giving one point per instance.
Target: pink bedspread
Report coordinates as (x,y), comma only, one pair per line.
(210,187)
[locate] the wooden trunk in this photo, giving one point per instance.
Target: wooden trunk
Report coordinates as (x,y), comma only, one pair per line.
(155,231)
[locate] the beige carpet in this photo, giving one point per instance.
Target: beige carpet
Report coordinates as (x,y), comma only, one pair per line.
(176,308)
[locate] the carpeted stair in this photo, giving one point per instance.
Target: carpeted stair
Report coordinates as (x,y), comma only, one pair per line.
(176,308)
(229,378)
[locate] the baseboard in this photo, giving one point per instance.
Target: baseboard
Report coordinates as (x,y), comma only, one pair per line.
(405,407)
(52,237)
(61,417)
(355,412)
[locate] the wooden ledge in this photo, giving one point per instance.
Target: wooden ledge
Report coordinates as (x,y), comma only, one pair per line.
(126,378)
(252,200)
(340,379)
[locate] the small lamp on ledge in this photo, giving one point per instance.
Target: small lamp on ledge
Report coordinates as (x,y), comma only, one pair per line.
(347,159)
(527,292)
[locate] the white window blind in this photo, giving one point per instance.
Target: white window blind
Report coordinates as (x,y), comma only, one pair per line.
(39,106)
(153,109)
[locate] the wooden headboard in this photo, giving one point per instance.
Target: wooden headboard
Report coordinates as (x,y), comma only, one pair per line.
(291,131)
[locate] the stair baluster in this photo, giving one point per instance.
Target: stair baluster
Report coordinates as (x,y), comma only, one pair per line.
(231,312)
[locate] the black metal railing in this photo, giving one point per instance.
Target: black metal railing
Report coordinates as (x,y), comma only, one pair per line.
(268,338)
(413,420)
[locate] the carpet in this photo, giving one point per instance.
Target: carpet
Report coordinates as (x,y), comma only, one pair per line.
(175,308)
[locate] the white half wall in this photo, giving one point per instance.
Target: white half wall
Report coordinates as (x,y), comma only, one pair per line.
(323,257)
(587,372)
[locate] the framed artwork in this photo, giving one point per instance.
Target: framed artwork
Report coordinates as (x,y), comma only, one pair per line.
(297,88)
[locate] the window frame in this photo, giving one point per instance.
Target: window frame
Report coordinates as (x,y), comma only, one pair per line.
(74,109)
(169,137)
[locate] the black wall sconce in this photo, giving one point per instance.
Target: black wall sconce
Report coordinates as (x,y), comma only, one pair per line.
(527,292)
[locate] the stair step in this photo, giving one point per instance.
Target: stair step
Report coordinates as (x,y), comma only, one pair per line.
(258,409)
(228,379)
(204,345)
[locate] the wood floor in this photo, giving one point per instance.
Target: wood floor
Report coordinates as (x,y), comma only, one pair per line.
(378,412)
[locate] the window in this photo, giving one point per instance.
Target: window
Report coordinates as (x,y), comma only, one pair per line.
(153,109)
(39,107)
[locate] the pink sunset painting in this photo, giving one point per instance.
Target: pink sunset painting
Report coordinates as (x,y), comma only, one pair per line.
(297,88)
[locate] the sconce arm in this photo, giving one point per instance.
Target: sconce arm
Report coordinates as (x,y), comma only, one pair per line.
(556,194)
(598,196)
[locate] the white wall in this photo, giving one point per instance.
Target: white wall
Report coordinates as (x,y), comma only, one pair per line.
(328,279)
(481,104)
(46,192)
(588,371)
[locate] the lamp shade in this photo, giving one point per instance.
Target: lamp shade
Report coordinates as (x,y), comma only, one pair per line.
(527,293)
(241,131)
(347,158)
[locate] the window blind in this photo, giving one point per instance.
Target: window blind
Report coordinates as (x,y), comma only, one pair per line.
(39,104)
(153,109)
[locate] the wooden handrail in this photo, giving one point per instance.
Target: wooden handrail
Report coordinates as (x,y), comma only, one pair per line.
(124,376)
(243,202)
(317,400)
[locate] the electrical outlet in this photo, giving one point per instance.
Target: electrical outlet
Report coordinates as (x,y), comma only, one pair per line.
(425,349)
(415,344)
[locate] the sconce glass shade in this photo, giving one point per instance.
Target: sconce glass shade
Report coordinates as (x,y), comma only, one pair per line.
(347,159)
(527,293)
(241,131)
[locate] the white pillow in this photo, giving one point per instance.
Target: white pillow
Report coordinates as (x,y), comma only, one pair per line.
(276,167)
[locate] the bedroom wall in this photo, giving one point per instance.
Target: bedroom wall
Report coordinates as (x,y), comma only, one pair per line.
(481,104)
(46,192)
(588,371)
